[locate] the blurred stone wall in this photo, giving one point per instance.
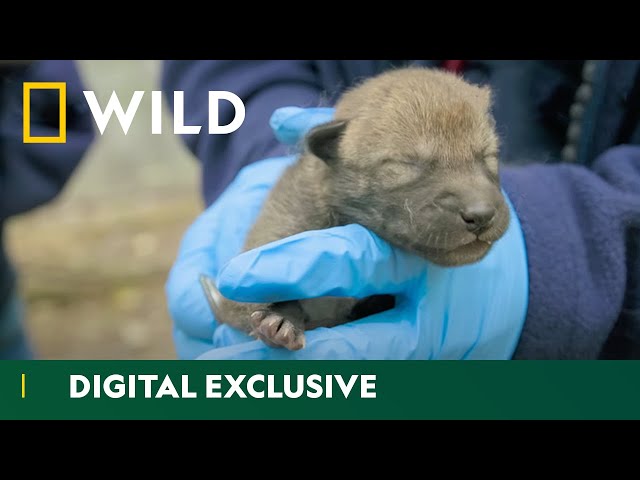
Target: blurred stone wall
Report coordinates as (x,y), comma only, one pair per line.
(93,262)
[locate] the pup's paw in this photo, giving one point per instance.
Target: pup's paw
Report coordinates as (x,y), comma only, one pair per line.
(279,328)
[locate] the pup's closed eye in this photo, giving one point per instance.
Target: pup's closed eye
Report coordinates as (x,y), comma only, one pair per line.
(399,171)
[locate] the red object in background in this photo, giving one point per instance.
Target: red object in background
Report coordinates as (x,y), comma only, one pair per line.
(455,66)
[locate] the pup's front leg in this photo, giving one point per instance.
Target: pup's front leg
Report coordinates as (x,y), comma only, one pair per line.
(276,324)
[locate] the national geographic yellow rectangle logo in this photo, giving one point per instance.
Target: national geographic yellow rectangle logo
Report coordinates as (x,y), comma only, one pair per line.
(26,101)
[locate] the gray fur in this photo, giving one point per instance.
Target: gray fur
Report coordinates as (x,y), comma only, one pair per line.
(410,151)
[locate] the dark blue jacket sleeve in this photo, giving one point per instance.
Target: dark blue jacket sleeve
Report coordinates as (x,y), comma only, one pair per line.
(34,173)
(582,231)
(263,86)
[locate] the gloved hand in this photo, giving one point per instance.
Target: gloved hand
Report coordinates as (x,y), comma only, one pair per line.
(471,312)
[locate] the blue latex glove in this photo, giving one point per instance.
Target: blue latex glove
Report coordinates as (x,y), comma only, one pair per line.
(471,312)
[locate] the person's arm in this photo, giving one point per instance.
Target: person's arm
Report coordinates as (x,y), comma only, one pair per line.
(32,174)
(263,86)
(582,233)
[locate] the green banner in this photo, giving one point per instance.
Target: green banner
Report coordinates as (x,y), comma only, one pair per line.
(49,389)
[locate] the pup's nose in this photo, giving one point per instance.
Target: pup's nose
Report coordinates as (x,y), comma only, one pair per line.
(478,215)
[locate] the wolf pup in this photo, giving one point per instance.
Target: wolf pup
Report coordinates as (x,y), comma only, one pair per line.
(412,155)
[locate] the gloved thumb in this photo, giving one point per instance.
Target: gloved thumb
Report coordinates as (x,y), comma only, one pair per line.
(340,261)
(290,124)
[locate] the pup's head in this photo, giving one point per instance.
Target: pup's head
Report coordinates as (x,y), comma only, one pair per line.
(413,156)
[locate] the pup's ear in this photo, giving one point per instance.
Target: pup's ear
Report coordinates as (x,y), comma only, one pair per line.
(323,140)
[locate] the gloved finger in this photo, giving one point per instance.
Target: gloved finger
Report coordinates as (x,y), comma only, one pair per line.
(186,301)
(391,335)
(339,261)
(189,347)
(216,236)
(290,124)
(254,350)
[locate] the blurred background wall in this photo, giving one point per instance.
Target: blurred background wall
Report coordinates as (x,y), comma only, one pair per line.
(93,263)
